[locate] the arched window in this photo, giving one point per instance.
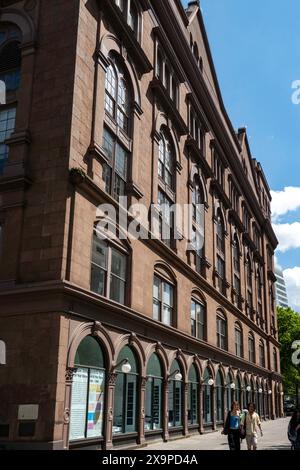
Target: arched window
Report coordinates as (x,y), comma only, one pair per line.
(262,358)
(154,394)
(251,348)
(109,270)
(220,245)
(236,265)
(198,222)
(88,391)
(275,360)
(175,403)
(193,396)
(118,94)
(163,300)
(198,319)
(249,285)
(221,330)
(118,99)
(259,297)
(126,400)
(238,340)
(10,73)
(166,173)
(220,397)
(166,162)
(207,397)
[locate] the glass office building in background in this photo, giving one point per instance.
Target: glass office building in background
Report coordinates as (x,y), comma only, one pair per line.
(281,293)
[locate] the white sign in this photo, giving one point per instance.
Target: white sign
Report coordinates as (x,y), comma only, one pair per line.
(79,404)
(28,412)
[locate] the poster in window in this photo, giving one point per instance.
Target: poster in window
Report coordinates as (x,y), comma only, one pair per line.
(96,403)
(78,404)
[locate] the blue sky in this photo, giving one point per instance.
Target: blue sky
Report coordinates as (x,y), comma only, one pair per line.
(255,47)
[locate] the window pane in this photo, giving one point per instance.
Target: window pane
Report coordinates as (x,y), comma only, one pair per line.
(167,315)
(89,353)
(96,403)
(119,404)
(118,264)
(79,404)
(98,280)
(7,126)
(167,294)
(156,310)
(99,256)
(156,287)
(111,82)
(108,144)
(117,290)
(131,403)
(121,162)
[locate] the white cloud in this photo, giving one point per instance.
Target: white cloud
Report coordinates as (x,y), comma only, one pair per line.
(277,264)
(292,279)
(288,236)
(285,201)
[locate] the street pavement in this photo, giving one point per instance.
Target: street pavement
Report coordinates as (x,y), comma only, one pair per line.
(274,438)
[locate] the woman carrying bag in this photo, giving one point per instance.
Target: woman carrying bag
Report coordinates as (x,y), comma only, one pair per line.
(232,428)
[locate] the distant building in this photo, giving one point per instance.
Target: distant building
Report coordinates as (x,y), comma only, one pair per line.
(281,293)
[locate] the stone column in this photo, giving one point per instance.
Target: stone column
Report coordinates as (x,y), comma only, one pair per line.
(70,371)
(201,409)
(142,397)
(108,434)
(185,387)
(165,410)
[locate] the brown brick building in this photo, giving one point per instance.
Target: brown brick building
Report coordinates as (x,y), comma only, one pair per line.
(103,99)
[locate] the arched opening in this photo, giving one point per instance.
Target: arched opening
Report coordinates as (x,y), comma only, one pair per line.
(126,400)
(193,396)
(175,402)
(88,391)
(154,394)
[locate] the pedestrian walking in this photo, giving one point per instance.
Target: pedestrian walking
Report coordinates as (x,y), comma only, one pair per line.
(250,423)
(294,430)
(232,428)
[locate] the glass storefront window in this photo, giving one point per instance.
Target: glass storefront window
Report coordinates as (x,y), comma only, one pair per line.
(175,398)
(154,394)
(88,390)
(207,398)
(125,402)
(219,397)
(193,396)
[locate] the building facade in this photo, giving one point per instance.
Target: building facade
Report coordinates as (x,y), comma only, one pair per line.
(280,289)
(118,341)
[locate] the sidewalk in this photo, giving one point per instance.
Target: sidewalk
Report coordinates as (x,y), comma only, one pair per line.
(275,438)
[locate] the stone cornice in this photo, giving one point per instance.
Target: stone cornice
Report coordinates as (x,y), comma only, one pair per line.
(61,294)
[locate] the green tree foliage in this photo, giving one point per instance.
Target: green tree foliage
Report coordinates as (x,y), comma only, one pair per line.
(288,332)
